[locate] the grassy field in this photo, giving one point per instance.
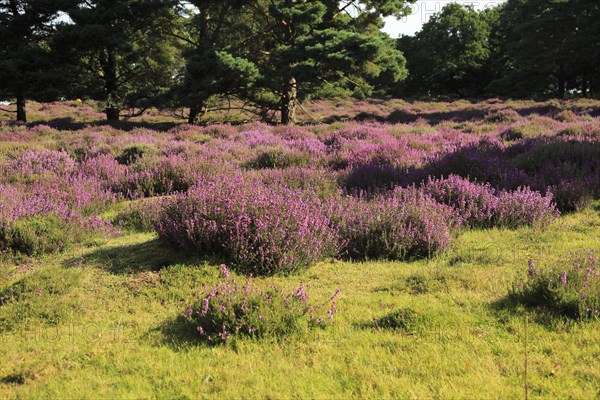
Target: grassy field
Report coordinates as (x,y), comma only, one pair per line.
(100,322)
(87,311)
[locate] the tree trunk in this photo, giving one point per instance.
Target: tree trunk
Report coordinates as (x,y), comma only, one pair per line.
(21,113)
(195,113)
(110,79)
(289,103)
(112,113)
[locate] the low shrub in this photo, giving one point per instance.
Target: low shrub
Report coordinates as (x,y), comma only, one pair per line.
(261,230)
(319,182)
(512,134)
(131,154)
(476,204)
(50,233)
(566,116)
(279,158)
(229,309)
(136,216)
(571,289)
(402,225)
(503,116)
(34,166)
(36,235)
(524,207)
(153,176)
(481,206)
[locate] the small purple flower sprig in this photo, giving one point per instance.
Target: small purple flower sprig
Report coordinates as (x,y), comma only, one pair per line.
(571,288)
(231,309)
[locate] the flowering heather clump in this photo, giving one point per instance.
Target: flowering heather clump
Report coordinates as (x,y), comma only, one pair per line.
(480,205)
(259,229)
(476,204)
(230,309)
(571,289)
(45,219)
(524,207)
(401,225)
(32,165)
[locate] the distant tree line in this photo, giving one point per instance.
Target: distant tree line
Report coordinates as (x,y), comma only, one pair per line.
(522,48)
(270,56)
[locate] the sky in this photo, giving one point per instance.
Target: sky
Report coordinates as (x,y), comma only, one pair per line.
(422,10)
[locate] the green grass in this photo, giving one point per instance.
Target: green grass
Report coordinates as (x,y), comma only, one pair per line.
(105,325)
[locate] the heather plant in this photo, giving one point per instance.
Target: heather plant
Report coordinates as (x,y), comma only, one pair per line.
(566,168)
(524,207)
(512,134)
(502,116)
(38,235)
(279,158)
(480,205)
(476,204)
(131,154)
(35,166)
(137,215)
(35,235)
(570,288)
(43,219)
(257,228)
(566,116)
(161,175)
(402,225)
(230,309)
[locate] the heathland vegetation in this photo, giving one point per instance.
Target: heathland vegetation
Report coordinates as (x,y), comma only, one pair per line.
(428,257)
(304,234)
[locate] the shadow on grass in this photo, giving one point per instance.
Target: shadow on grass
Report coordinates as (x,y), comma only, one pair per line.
(178,334)
(152,255)
(512,306)
(13,379)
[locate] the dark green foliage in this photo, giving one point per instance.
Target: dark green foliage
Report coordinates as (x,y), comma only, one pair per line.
(404,320)
(548,48)
(130,155)
(307,46)
(118,52)
(36,235)
(279,158)
(28,69)
(450,54)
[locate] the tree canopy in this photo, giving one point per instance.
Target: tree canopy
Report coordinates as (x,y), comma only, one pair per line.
(270,56)
(27,68)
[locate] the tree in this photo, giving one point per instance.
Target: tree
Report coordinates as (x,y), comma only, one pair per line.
(300,47)
(545,26)
(550,47)
(210,32)
(119,52)
(450,54)
(27,68)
